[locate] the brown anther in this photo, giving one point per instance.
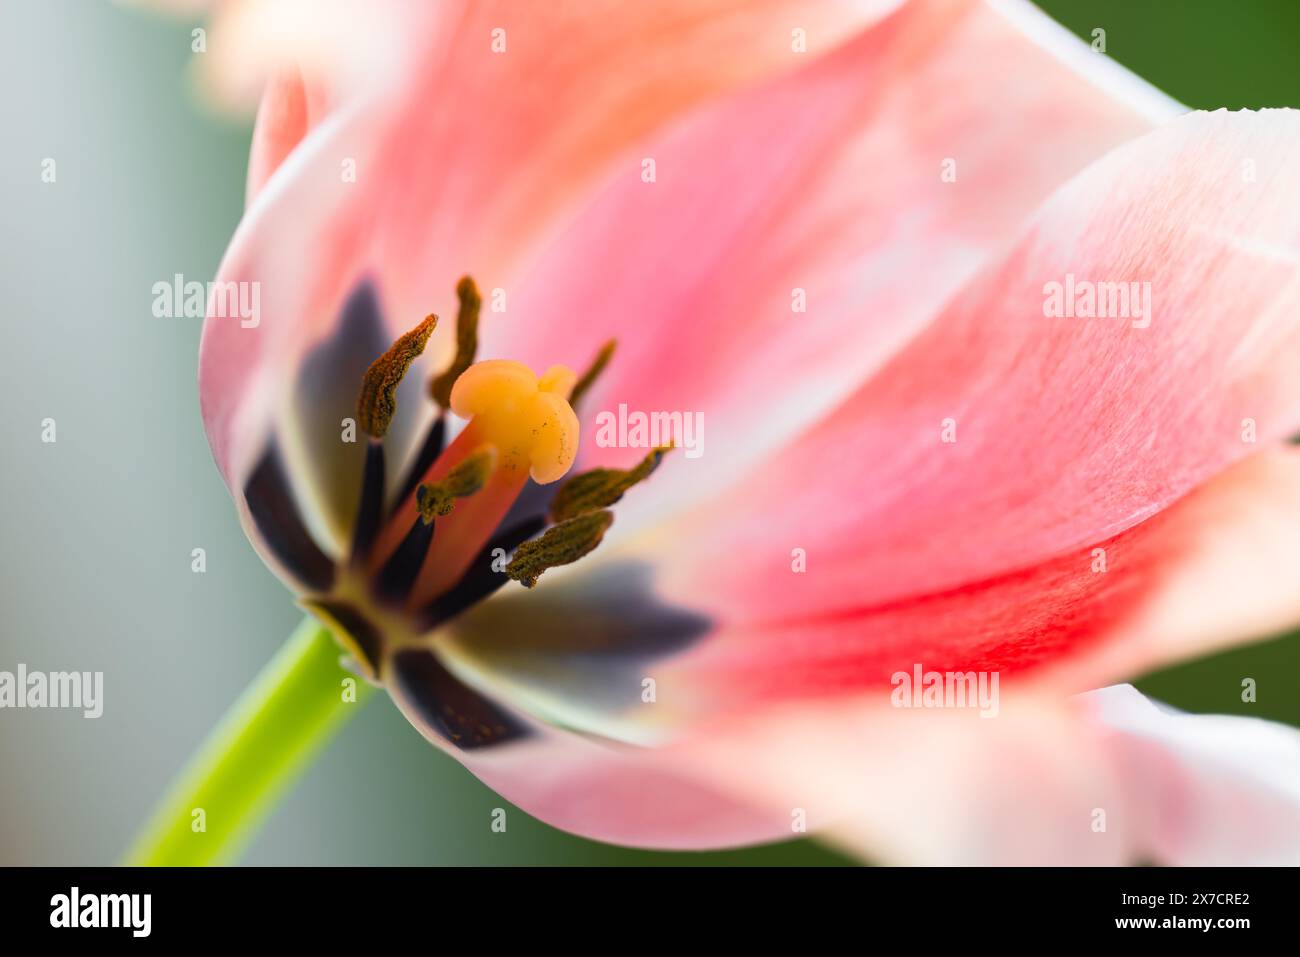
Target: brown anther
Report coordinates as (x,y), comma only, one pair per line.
(593,371)
(562,544)
(378,400)
(601,488)
(438,498)
(466,341)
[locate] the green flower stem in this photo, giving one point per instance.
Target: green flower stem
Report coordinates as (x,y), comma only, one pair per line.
(255,753)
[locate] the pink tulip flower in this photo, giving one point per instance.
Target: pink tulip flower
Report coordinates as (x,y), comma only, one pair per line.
(828,236)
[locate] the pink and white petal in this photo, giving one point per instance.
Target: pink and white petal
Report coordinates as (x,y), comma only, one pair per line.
(1107,778)
(1064,431)
(302,271)
(458,168)
(827,185)
(617,795)
(254,375)
(582,784)
(1203,790)
(905,787)
(929,786)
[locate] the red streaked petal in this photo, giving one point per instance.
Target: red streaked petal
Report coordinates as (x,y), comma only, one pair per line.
(1211,570)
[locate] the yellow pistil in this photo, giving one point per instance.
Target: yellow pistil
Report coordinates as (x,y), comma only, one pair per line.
(528,420)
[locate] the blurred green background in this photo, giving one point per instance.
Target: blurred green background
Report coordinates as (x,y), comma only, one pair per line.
(150,184)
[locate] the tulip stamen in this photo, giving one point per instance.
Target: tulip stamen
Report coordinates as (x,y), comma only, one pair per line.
(466,341)
(529,423)
(483,577)
(593,372)
(601,488)
(468,477)
(398,574)
(562,544)
(377,402)
(434,442)
(370,511)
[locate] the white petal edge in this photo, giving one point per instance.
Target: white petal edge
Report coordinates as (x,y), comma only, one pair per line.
(1212,790)
(1107,75)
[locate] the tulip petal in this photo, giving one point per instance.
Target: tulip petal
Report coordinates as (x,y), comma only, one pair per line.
(1002,437)
(286,113)
(1103,779)
(578,650)
(1208,571)
(604,790)
(324,398)
(447,709)
(1205,790)
(1219,572)
(795,235)
(1107,778)
(280,528)
(929,786)
(319,423)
